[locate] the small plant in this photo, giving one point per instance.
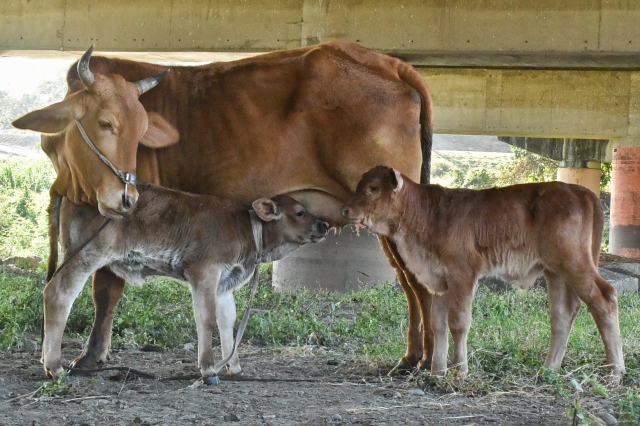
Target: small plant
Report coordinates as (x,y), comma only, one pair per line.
(629,408)
(55,387)
(554,379)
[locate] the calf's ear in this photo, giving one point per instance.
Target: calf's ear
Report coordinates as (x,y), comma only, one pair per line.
(159,134)
(399,181)
(52,119)
(266,209)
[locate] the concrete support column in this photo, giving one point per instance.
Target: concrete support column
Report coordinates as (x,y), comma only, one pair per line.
(588,177)
(341,263)
(624,237)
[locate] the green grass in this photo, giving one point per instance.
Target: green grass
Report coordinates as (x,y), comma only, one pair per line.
(507,344)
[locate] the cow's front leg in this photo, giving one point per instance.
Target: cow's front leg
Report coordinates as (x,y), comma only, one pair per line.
(107,291)
(59,294)
(226,318)
(203,291)
(414,352)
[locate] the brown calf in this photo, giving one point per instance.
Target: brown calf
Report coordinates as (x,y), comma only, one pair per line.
(449,238)
(204,241)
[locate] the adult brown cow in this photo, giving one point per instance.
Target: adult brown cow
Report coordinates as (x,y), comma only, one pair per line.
(305,122)
(450,237)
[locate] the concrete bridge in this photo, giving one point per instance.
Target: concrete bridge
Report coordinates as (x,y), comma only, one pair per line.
(561,75)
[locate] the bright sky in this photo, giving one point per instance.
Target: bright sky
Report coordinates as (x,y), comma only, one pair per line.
(22,75)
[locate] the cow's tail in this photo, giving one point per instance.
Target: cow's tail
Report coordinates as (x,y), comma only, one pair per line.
(413,78)
(598,230)
(54,232)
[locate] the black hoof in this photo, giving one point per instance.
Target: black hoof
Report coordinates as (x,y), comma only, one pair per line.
(80,372)
(211,380)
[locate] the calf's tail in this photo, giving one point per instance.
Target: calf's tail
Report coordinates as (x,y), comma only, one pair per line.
(413,78)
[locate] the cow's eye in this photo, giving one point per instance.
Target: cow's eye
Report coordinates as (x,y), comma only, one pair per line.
(301,213)
(105,125)
(373,188)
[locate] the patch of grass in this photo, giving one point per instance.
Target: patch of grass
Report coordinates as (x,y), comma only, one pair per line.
(508,340)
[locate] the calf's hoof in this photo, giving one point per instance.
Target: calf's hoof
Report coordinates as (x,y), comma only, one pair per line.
(213,380)
(404,366)
(53,373)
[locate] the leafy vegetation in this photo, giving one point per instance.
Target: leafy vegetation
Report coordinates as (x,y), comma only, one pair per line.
(24,197)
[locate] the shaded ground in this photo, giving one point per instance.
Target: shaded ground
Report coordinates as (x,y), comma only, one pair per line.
(297,386)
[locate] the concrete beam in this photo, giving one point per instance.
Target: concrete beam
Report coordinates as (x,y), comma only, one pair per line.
(536,103)
(404,27)
(574,153)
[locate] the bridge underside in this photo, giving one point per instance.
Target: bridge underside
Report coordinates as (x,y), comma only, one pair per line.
(567,70)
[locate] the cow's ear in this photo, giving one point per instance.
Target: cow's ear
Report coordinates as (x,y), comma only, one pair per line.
(399,181)
(159,134)
(52,119)
(266,209)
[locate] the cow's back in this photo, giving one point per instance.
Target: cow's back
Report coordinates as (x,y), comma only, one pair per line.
(307,122)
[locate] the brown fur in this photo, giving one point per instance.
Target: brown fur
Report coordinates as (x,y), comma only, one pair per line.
(305,122)
(448,238)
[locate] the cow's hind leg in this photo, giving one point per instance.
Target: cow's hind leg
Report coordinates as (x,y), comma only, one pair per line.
(414,352)
(565,305)
(107,291)
(226,318)
(59,294)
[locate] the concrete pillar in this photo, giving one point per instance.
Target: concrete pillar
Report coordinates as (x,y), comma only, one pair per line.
(624,237)
(340,263)
(586,176)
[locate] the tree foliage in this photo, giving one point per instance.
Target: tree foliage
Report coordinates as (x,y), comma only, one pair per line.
(47,93)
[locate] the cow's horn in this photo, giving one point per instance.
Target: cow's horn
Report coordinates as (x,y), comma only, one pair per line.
(85,74)
(150,82)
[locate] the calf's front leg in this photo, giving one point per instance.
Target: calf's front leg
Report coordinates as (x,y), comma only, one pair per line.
(203,292)
(59,294)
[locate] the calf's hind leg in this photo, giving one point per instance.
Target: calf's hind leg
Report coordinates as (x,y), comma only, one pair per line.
(107,292)
(565,305)
(602,300)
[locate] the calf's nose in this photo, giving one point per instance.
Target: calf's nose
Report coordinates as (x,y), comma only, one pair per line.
(323,227)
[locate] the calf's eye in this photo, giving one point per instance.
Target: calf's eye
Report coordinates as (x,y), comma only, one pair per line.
(301,213)
(373,188)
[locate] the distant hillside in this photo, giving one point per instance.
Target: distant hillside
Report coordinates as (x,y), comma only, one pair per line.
(30,140)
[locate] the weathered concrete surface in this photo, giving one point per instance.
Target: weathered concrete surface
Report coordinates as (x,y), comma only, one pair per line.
(409,26)
(340,263)
(535,103)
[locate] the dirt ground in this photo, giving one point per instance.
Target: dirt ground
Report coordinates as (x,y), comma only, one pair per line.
(297,386)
